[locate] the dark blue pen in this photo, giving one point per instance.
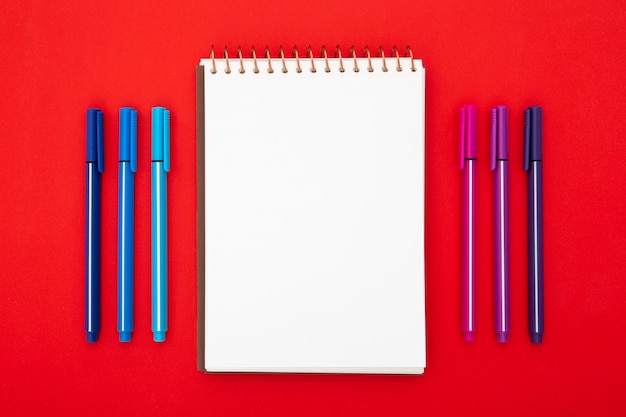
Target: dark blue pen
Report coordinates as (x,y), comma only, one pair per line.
(126,222)
(95,167)
(533,165)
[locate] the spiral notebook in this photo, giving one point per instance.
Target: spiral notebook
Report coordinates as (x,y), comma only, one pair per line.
(311,212)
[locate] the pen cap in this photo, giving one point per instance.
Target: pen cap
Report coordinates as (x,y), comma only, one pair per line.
(499,148)
(128,137)
(95,138)
(533,137)
(468,147)
(161,136)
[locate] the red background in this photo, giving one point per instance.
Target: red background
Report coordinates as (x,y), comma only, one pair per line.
(58,58)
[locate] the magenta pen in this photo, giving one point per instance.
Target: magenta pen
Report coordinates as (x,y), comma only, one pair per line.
(499,164)
(467,164)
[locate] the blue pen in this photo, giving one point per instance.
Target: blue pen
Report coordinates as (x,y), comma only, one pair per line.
(95,167)
(126,222)
(160,166)
(533,165)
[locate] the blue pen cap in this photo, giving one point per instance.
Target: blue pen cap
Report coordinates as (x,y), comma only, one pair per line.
(95,138)
(161,136)
(128,137)
(533,136)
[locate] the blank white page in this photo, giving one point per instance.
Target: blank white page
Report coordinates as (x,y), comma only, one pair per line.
(314,218)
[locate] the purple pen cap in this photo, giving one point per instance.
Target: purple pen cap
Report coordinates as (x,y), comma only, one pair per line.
(533,120)
(499,149)
(468,144)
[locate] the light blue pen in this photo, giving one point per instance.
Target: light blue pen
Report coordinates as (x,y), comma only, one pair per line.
(126,222)
(160,167)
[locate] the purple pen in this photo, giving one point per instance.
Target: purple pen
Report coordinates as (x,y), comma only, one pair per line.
(499,164)
(533,165)
(467,165)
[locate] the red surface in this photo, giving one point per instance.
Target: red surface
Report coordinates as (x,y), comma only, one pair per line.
(57,59)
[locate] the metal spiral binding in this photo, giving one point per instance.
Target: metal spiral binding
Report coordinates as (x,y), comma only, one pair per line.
(380,53)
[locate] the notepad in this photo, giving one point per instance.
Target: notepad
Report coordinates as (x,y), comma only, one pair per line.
(311,213)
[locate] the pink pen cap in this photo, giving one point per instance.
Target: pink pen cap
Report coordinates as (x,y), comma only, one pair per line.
(468,143)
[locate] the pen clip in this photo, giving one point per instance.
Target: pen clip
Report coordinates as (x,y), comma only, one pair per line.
(462,129)
(526,156)
(100,140)
(133,140)
(493,146)
(166,140)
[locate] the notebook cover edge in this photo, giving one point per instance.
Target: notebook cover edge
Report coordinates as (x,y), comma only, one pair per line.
(200,210)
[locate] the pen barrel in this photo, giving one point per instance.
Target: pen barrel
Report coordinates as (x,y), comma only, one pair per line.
(502,319)
(468,250)
(535,251)
(125,251)
(159,251)
(92,252)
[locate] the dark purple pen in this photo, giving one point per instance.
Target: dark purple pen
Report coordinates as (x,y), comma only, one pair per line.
(533,165)
(499,164)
